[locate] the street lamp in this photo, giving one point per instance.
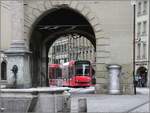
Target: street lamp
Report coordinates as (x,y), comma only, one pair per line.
(133,3)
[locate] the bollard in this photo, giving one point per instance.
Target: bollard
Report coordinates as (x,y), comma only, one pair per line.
(82,105)
(114,80)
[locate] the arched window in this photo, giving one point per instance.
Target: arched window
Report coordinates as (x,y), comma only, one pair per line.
(3,70)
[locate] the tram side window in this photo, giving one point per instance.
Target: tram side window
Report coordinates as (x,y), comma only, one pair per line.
(51,73)
(58,73)
(3,71)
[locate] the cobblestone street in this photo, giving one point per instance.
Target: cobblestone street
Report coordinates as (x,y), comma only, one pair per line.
(114,103)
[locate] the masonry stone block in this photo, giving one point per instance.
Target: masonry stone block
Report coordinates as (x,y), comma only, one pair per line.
(67,2)
(127,88)
(97,28)
(74,4)
(94,22)
(102,59)
(103,41)
(91,16)
(103,48)
(54,3)
(100,74)
(47,4)
(85,11)
(102,54)
(36,12)
(40,5)
(100,80)
(101,88)
(80,7)
(100,34)
(101,66)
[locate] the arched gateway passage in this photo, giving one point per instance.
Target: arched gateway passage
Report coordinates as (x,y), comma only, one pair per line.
(54,23)
(141,76)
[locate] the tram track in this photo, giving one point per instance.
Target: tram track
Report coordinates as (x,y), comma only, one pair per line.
(138,106)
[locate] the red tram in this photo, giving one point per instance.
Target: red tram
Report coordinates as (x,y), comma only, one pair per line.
(73,74)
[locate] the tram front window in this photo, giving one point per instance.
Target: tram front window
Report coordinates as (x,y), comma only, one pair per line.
(82,72)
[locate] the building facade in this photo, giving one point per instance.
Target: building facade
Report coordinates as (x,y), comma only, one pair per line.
(30,27)
(71,47)
(142,40)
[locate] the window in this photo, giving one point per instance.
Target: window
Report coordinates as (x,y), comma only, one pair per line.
(3,70)
(145,7)
(139,8)
(62,47)
(144,50)
(65,59)
(139,29)
(53,49)
(144,27)
(58,48)
(65,47)
(138,50)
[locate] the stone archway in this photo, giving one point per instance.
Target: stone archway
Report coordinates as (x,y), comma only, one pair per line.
(46,30)
(34,10)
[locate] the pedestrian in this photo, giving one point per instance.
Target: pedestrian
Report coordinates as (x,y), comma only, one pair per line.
(143,81)
(139,81)
(136,81)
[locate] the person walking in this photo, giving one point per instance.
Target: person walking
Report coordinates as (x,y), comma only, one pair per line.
(139,81)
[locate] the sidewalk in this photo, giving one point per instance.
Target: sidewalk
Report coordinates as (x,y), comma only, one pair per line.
(114,103)
(143,90)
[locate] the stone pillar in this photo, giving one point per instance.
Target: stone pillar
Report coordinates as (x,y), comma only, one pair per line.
(18,53)
(0,66)
(0,43)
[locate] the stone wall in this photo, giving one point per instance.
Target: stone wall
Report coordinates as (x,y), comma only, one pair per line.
(39,100)
(112,24)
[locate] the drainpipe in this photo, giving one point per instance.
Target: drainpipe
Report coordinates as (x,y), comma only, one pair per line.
(148,74)
(133,3)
